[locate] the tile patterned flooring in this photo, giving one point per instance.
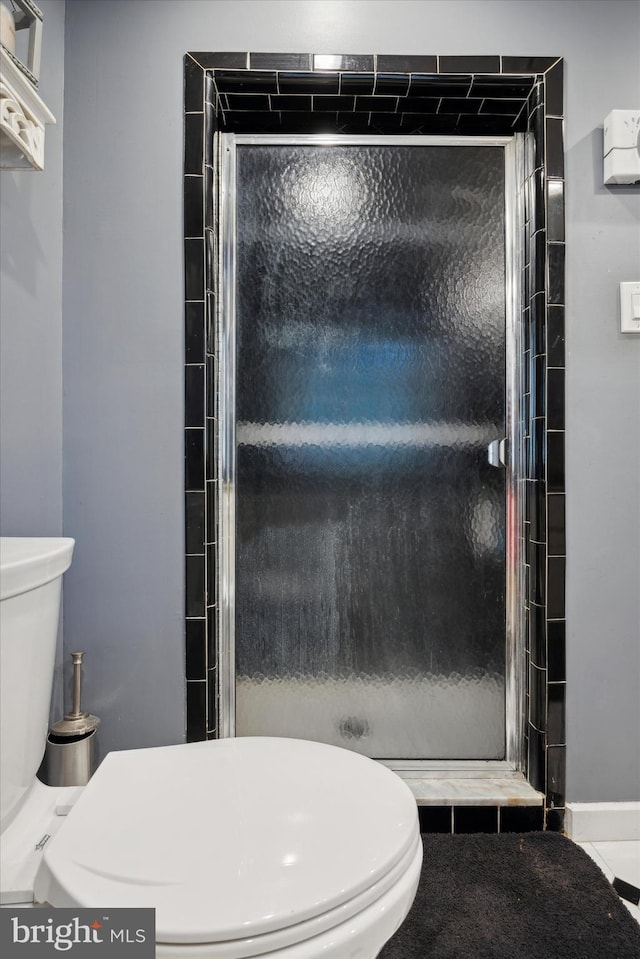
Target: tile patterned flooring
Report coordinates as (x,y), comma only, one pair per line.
(619,860)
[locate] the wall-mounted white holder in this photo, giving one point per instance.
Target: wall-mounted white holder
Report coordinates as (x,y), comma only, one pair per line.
(630,307)
(622,147)
(26,16)
(23,116)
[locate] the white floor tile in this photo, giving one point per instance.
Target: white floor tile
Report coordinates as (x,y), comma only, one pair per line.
(617,860)
(634,910)
(623,858)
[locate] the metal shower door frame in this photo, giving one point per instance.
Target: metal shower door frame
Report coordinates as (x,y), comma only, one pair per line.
(225,425)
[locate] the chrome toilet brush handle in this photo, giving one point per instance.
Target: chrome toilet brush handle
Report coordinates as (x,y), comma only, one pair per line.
(76,712)
(77,722)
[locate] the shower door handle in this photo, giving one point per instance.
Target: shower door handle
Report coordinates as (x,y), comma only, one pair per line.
(497,453)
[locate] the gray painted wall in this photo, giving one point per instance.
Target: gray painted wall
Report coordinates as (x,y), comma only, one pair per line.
(123,337)
(31,319)
(31,324)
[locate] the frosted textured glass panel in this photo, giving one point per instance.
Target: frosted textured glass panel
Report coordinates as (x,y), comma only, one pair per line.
(370,562)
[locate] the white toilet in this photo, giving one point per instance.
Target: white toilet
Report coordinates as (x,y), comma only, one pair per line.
(244,847)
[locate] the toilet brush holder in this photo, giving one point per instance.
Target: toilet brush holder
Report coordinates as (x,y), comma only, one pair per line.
(71,752)
(71,760)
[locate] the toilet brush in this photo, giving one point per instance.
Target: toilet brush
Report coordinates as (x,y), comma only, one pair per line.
(70,745)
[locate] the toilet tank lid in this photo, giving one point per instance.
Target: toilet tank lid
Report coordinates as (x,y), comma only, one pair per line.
(230,839)
(27,562)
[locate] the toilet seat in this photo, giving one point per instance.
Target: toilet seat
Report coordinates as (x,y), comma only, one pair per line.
(236,843)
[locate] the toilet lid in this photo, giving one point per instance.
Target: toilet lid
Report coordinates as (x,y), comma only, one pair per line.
(230,839)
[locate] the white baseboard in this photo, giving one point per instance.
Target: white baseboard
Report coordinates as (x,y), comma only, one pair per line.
(602,821)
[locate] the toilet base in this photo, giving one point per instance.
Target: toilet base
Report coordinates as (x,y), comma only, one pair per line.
(40,815)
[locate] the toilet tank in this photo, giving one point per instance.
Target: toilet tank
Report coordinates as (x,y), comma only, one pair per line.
(31,572)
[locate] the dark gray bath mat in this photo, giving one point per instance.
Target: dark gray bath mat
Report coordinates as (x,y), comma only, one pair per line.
(512,896)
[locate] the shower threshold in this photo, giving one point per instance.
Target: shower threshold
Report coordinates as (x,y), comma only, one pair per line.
(472,783)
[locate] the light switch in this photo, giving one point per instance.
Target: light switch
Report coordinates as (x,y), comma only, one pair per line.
(630,307)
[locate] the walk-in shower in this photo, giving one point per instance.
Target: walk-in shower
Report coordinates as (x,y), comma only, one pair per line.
(509,106)
(369,443)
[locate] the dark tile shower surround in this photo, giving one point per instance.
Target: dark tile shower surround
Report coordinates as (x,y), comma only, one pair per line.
(352,94)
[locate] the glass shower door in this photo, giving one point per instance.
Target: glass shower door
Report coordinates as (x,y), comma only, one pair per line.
(368,292)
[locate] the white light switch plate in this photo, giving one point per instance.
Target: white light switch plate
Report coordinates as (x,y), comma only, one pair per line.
(630,307)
